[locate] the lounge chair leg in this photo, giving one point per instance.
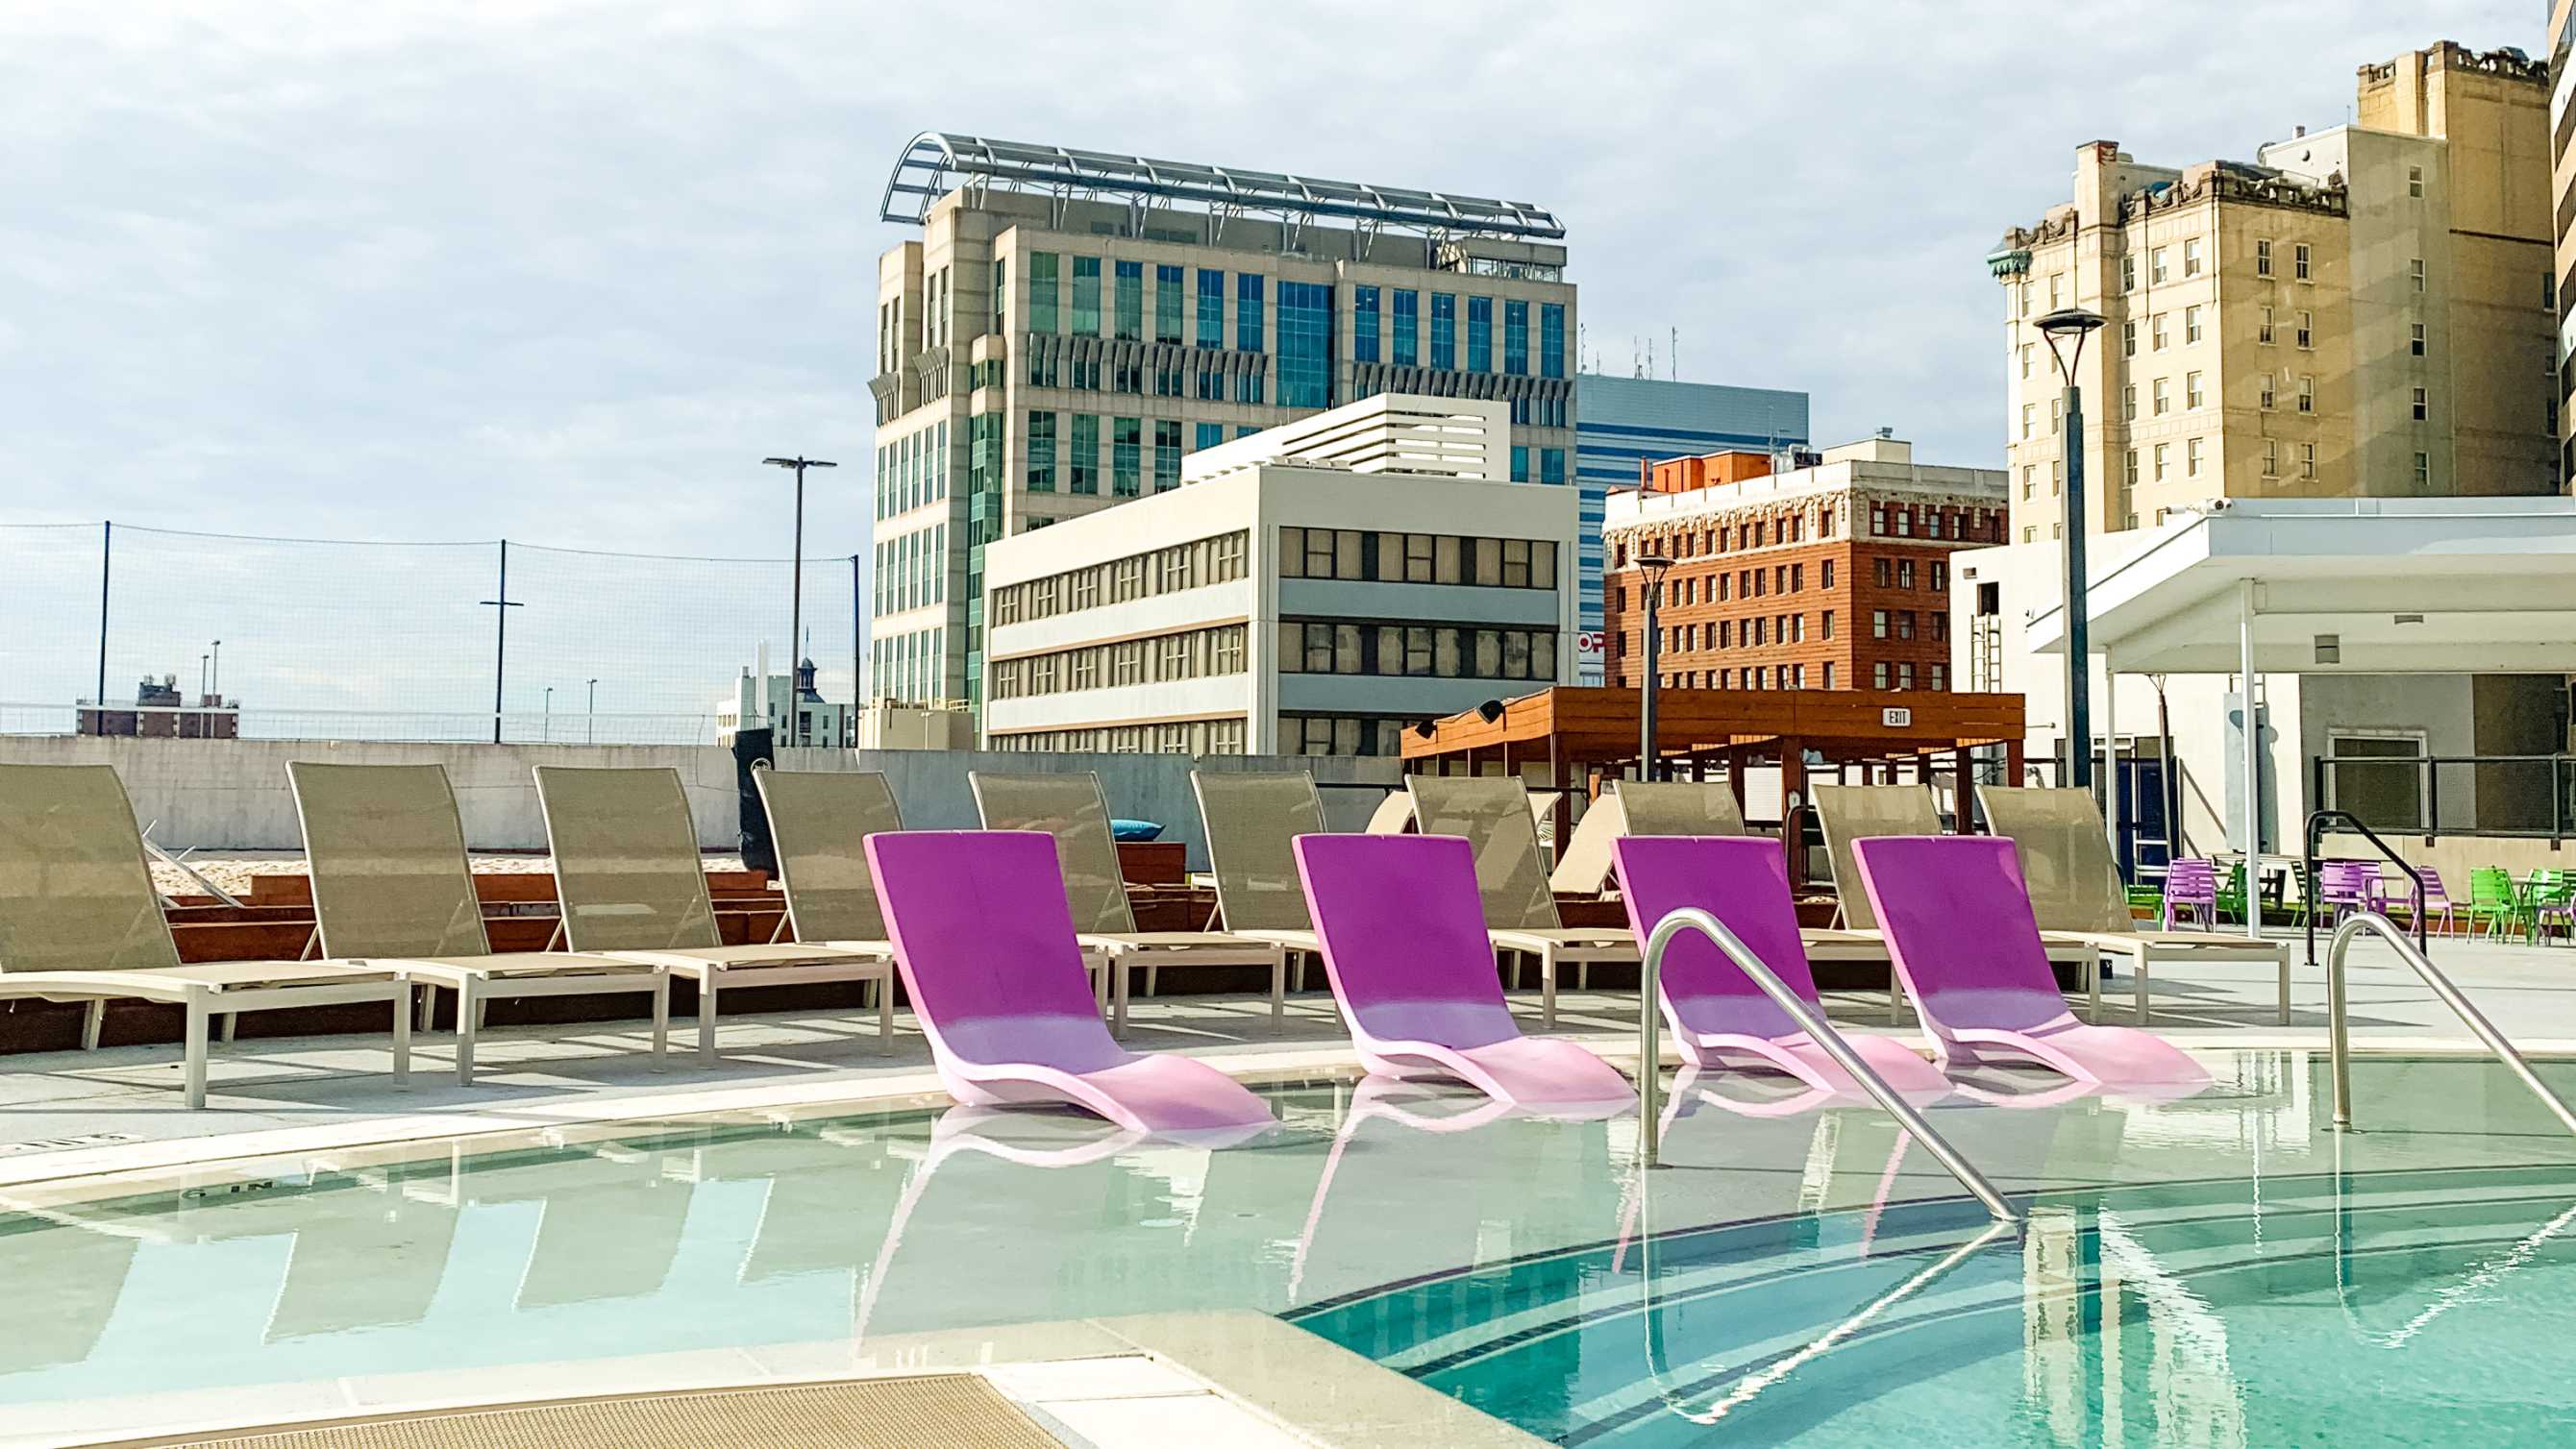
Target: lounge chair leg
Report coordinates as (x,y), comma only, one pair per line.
(402,1036)
(662,1018)
(232,1023)
(707,1019)
(1153,978)
(1582,975)
(2285,988)
(1279,991)
(1118,996)
(2141,987)
(2093,988)
(93,1022)
(885,1012)
(468,1016)
(193,1083)
(1895,996)
(1547,992)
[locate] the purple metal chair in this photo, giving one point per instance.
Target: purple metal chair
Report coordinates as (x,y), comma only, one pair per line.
(2345,887)
(1960,929)
(1715,1011)
(2191,885)
(1403,933)
(2392,895)
(984,939)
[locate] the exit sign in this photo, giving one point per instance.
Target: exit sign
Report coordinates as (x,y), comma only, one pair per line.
(1896,717)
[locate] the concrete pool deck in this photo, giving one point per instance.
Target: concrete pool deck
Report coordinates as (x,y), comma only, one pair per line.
(66,1114)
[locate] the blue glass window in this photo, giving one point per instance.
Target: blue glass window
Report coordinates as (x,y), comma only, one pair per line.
(1551,465)
(1363,324)
(1480,334)
(1408,329)
(1520,457)
(1082,469)
(1516,338)
(1167,304)
(1167,454)
(1042,292)
(1444,330)
(1551,339)
(1211,309)
(1210,434)
(1086,296)
(1247,311)
(1245,430)
(1305,345)
(1130,315)
(1041,452)
(1126,456)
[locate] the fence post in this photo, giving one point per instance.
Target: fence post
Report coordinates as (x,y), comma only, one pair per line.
(2433,796)
(858,647)
(106,555)
(501,605)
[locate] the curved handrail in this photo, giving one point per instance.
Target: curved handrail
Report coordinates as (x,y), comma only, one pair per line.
(2339,1035)
(1650,1059)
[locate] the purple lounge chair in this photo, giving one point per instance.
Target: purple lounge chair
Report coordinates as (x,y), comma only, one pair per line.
(1403,931)
(1716,1013)
(984,939)
(1960,928)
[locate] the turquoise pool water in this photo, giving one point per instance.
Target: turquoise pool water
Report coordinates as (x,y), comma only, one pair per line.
(2221,1270)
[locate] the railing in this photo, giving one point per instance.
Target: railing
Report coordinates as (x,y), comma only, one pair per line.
(2339,1033)
(2529,778)
(1650,1058)
(2310,862)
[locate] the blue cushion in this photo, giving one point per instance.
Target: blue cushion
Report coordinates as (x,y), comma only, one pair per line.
(1134,830)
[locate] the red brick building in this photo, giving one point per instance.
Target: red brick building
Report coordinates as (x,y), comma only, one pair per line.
(1835,576)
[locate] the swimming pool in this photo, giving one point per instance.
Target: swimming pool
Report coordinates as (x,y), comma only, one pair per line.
(2222,1269)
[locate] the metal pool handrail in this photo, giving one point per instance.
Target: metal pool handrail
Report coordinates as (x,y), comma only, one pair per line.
(2340,1036)
(1650,1052)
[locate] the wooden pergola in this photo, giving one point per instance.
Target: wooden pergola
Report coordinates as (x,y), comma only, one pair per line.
(1582,732)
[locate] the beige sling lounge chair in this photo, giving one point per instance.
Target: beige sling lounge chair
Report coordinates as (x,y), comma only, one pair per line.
(1069,807)
(632,887)
(2075,890)
(1492,813)
(1864,812)
(80,921)
(391,883)
(1632,807)
(819,822)
(1252,819)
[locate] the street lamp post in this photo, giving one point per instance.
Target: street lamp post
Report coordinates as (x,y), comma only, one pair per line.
(546,722)
(215,669)
(796,607)
(1653,567)
(590,721)
(2069,326)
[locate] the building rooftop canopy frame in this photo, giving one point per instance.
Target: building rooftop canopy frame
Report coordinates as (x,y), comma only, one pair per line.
(937,162)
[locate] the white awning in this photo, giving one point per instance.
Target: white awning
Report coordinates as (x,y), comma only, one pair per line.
(2342,586)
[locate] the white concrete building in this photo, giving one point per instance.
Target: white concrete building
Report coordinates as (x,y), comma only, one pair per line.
(794,709)
(1312,589)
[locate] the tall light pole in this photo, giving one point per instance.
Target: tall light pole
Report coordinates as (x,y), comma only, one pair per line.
(1653,567)
(590,722)
(546,725)
(796,607)
(2066,329)
(215,672)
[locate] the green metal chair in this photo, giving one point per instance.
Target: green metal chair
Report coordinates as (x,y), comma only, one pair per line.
(2231,894)
(2495,902)
(2551,895)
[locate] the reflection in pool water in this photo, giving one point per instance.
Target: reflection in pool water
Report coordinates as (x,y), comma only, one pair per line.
(2195,1270)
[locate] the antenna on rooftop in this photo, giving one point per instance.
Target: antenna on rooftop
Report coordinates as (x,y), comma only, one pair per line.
(1674,361)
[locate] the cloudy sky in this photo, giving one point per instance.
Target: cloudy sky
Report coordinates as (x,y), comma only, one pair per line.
(565,269)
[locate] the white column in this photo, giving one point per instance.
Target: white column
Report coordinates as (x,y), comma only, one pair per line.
(2110,755)
(2253,822)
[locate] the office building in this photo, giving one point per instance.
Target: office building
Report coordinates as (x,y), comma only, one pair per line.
(2359,311)
(794,711)
(1311,589)
(1834,576)
(1069,326)
(1622,423)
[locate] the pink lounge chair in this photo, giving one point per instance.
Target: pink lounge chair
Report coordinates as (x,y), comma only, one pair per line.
(1716,1013)
(985,942)
(1960,928)
(1403,933)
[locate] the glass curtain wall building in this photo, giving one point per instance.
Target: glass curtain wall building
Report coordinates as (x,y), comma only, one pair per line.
(1069,324)
(1625,421)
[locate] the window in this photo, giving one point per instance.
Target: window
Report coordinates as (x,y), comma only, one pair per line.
(1208,436)
(1248,329)
(1041,445)
(1551,465)
(2156,325)
(2191,395)
(2129,272)
(1882,572)
(2307,330)
(2191,256)
(1878,623)
(2027,410)
(2265,397)
(2271,457)
(2307,393)
(2415,341)
(2415,181)
(1167,304)
(1408,328)
(2423,471)
(2262,256)
(1551,339)
(1905,573)
(1364,324)
(2263,329)
(2307,460)
(1082,466)
(1126,456)
(2056,293)
(1211,309)
(1520,463)
(1042,292)
(1086,296)
(1905,676)
(2129,473)
(2025,359)
(2056,415)
(1305,344)
(1516,338)
(2156,265)
(1167,454)
(2376,776)
(1127,317)
(2163,451)
(1878,675)
(2299,268)
(2128,339)
(2423,403)
(1828,581)
(1825,624)
(2191,324)
(1444,331)
(2129,403)
(2022,295)
(2191,458)
(2163,396)
(2415,273)
(1480,334)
